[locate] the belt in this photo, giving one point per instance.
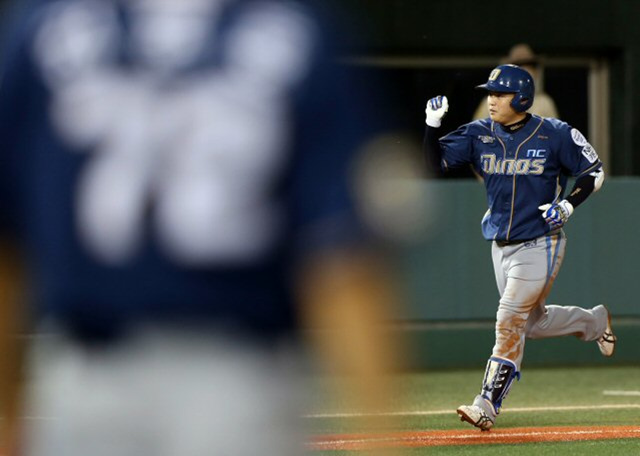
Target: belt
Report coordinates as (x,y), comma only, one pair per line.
(506,243)
(522,241)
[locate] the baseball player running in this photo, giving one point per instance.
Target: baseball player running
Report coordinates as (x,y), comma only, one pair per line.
(524,161)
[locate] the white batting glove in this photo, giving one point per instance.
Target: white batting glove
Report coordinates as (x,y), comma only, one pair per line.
(437,107)
(557,214)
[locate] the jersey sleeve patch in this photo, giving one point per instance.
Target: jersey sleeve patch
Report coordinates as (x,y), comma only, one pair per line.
(590,153)
(578,137)
(587,149)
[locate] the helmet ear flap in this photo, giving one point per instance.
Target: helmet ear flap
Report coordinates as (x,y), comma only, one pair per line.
(521,103)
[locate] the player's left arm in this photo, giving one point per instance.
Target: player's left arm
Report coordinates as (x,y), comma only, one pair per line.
(585,185)
(581,159)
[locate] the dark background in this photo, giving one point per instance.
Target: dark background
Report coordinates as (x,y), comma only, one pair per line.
(411,87)
(561,31)
(483,31)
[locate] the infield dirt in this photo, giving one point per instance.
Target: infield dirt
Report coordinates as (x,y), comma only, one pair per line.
(471,437)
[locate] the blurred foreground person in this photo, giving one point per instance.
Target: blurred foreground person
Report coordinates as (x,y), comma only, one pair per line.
(178,174)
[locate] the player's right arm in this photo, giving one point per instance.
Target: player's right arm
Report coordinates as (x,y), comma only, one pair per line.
(451,151)
(436,109)
(11,345)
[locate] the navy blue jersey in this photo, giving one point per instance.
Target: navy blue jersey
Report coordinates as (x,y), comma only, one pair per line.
(173,160)
(521,170)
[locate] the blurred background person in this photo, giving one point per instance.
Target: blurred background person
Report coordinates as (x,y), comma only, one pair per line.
(522,55)
(179,178)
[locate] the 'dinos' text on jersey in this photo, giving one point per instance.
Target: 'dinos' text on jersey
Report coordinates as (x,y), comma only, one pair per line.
(532,165)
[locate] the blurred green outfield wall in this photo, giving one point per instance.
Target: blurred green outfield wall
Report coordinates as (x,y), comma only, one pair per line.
(450,291)
(450,276)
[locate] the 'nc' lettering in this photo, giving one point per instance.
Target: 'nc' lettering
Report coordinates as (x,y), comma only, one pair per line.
(536,153)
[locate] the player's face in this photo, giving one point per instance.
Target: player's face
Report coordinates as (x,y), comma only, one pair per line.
(500,109)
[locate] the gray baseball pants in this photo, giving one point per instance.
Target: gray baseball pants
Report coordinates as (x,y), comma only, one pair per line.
(525,274)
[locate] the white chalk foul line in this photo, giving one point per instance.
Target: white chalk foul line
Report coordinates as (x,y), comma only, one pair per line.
(484,436)
(567,408)
(620,393)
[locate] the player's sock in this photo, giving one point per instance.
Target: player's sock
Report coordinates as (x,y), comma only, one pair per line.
(498,378)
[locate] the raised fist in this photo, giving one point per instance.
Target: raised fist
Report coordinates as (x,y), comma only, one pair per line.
(437,107)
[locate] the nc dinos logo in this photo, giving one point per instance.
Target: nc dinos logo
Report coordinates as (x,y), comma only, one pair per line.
(522,166)
(494,74)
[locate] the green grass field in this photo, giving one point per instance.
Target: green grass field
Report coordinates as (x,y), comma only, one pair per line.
(589,396)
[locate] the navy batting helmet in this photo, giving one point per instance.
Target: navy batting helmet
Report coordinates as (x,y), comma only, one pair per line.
(512,79)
